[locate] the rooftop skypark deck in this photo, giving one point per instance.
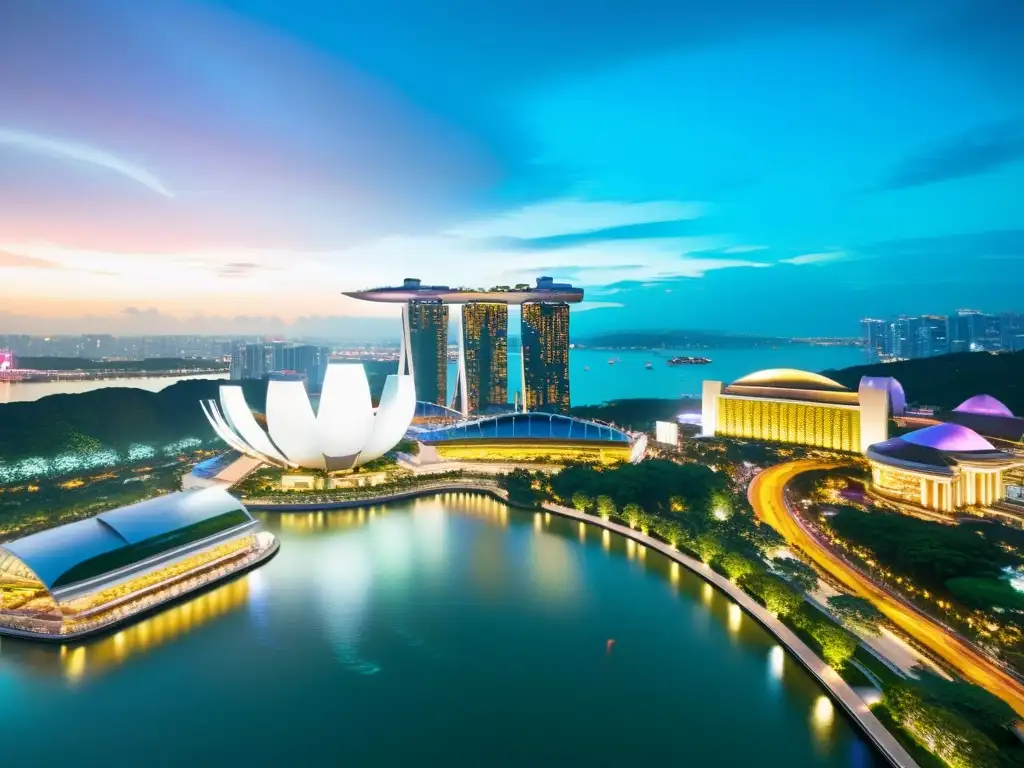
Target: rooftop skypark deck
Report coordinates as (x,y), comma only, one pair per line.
(412,289)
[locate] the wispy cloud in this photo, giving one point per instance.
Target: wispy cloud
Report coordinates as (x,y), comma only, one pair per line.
(81,153)
(969,154)
(814,258)
(8,259)
(572,216)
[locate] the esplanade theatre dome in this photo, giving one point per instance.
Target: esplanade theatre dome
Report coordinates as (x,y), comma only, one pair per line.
(944,467)
(786,405)
(984,405)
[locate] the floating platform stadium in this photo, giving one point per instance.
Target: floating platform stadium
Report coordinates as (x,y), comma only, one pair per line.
(88,576)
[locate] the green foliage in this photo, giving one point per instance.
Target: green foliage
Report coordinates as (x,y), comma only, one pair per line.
(837,645)
(928,553)
(519,485)
(606,507)
(633,515)
(736,565)
(655,485)
(857,613)
(796,572)
(947,734)
(410,447)
(708,546)
(777,596)
(581,502)
(985,710)
(986,593)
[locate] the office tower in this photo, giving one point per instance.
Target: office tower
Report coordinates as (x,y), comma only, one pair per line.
(1012,331)
(873,335)
(933,336)
(545,355)
(484,359)
(249,361)
(904,338)
(309,360)
(426,348)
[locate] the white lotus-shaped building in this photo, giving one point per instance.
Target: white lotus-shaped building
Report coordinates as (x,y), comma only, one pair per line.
(346,430)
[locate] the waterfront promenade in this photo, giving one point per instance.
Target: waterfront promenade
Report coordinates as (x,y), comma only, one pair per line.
(839,689)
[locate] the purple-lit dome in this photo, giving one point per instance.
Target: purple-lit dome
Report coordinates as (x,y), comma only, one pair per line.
(984,405)
(948,437)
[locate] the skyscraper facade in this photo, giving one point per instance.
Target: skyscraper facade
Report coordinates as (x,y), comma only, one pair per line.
(545,354)
(873,336)
(249,361)
(485,355)
(428,349)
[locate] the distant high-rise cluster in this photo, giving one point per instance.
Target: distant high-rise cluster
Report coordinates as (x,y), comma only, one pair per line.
(968,330)
(482,384)
(257,361)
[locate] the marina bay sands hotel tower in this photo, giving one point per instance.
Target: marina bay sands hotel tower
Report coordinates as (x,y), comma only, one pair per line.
(482,377)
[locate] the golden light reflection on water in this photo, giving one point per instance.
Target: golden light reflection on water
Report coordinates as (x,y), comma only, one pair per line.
(776,662)
(822,716)
(630,549)
(606,540)
(96,657)
(583,531)
(673,572)
(538,523)
(707,593)
(735,617)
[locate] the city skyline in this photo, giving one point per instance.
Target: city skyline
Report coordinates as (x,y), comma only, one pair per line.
(239,164)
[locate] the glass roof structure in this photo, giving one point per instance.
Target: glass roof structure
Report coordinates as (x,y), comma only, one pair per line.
(123,537)
(537,426)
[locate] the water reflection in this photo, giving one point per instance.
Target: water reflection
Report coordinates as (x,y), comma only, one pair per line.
(823,715)
(776,662)
(735,618)
(75,661)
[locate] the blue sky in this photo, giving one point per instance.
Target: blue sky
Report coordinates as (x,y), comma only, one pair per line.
(743,165)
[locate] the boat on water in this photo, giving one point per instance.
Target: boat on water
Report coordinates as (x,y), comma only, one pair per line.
(689,361)
(648,366)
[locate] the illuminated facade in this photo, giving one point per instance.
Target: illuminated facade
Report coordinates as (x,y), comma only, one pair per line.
(87,576)
(789,406)
(425,348)
(516,437)
(545,357)
(483,357)
(345,432)
(944,468)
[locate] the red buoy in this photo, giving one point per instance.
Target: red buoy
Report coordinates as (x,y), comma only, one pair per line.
(608,646)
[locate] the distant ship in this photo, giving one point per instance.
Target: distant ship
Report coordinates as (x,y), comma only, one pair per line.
(648,366)
(689,361)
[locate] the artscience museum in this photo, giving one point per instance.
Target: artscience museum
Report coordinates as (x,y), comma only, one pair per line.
(343,432)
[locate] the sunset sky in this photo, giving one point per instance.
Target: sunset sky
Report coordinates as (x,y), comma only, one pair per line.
(781,166)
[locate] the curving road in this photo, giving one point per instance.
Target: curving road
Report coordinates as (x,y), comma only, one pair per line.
(766,494)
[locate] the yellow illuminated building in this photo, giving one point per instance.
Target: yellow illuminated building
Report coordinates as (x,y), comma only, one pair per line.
(512,451)
(789,406)
(944,468)
(545,356)
(483,371)
(527,437)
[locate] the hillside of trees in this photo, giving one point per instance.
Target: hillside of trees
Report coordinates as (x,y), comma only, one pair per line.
(948,380)
(118,417)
